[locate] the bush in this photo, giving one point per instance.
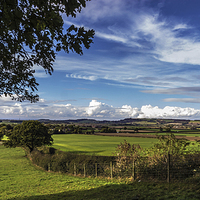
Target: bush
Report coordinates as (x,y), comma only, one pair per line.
(40,159)
(64,161)
(169,153)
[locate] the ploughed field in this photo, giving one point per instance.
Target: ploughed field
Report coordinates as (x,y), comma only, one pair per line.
(191,137)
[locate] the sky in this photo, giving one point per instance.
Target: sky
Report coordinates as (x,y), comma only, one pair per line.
(144,63)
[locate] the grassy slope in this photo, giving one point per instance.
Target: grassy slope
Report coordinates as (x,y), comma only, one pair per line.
(20,180)
(93,144)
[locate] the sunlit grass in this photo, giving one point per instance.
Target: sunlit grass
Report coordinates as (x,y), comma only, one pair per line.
(93,144)
(20,180)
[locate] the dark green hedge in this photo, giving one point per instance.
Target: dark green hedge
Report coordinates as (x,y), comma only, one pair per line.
(60,161)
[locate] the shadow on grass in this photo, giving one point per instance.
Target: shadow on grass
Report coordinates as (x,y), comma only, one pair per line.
(133,191)
(86,152)
(121,192)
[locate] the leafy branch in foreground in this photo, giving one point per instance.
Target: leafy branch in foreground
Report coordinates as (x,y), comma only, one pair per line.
(31,32)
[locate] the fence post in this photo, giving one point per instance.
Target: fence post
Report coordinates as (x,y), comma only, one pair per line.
(49,167)
(133,173)
(74,169)
(168,167)
(96,169)
(84,170)
(111,170)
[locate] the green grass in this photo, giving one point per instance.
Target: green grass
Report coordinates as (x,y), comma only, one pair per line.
(93,144)
(20,180)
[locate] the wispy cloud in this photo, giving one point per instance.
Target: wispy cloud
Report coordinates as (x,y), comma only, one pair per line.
(97,10)
(77,76)
(154,46)
(111,37)
(144,49)
(184,100)
(180,90)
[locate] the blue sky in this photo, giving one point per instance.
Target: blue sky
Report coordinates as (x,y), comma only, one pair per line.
(144,62)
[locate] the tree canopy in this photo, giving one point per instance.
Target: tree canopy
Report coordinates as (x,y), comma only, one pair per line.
(31,32)
(30,134)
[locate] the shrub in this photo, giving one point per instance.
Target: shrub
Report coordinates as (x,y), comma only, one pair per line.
(64,161)
(169,152)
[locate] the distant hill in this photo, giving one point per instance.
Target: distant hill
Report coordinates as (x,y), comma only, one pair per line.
(127,121)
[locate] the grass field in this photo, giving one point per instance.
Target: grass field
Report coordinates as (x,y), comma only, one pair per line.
(93,144)
(20,180)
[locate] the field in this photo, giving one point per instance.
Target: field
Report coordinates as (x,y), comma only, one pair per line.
(98,145)
(93,144)
(20,180)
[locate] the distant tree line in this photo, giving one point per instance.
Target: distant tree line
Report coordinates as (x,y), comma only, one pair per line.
(106,129)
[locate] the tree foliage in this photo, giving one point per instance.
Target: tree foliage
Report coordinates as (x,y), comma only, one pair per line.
(29,134)
(170,144)
(4,129)
(31,32)
(155,156)
(125,154)
(106,129)
(1,134)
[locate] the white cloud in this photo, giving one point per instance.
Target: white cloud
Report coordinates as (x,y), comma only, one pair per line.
(129,111)
(95,110)
(168,112)
(181,26)
(98,109)
(157,41)
(85,77)
(149,45)
(96,10)
(169,46)
(3,98)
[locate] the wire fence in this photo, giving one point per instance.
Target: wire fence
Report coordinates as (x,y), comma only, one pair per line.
(168,169)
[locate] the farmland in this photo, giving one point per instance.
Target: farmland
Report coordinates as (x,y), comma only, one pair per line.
(93,144)
(20,179)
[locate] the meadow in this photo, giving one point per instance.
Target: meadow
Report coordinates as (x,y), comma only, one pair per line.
(97,145)
(20,180)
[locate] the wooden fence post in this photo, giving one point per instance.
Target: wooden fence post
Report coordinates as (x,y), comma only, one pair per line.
(96,169)
(49,167)
(111,170)
(74,169)
(133,172)
(168,167)
(84,170)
